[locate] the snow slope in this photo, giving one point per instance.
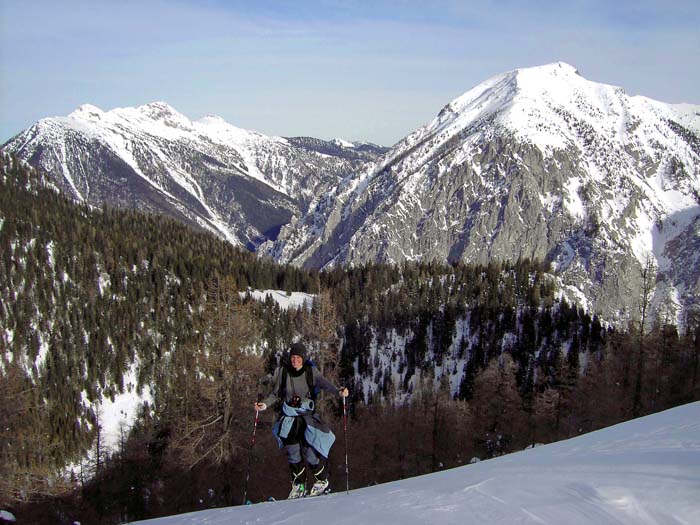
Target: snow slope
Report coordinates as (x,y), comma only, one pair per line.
(283,299)
(642,471)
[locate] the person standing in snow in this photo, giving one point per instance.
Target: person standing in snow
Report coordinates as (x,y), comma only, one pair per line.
(299,430)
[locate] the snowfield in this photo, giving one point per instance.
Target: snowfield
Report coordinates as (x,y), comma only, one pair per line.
(283,299)
(642,471)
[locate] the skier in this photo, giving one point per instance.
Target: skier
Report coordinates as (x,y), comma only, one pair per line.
(299,429)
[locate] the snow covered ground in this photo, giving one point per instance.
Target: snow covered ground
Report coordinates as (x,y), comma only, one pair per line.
(642,471)
(283,299)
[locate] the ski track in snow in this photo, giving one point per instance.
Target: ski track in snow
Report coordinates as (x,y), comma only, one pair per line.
(639,472)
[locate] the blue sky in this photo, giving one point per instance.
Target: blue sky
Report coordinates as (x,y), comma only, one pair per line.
(373,70)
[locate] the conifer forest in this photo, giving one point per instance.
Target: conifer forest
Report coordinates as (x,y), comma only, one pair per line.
(445,363)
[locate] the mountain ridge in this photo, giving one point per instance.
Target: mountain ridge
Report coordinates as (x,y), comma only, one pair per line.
(240,184)
(539,163)
(533,163)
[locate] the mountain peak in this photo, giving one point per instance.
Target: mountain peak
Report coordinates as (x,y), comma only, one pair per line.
(554,68)
(343,143)
(531,102)
(223,131)
(160,110)
(502,89)
(158,105)
(212,118)
(87,112)
(558,80)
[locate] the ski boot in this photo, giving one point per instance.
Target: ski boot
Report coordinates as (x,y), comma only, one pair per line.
(298,485)
(320,487)
(298,491)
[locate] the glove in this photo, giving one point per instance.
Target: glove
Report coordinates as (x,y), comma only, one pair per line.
(260,406)
(344,392)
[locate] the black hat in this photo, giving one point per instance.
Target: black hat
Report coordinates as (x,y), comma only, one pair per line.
(297,349)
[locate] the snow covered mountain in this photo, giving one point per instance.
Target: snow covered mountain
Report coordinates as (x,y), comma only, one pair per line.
(533,163)
(642,471)
(537,163)
(239,184)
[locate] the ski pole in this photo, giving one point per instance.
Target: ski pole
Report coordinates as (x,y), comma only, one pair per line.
(345,431)
(252,444)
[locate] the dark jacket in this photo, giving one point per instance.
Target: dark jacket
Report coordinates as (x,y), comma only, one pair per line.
(297,385)
(315,432)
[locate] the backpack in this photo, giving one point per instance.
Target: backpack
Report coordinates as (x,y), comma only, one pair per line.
(309,371)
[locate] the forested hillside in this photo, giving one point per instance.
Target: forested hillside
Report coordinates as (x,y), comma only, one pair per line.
(445,363)
(88,298)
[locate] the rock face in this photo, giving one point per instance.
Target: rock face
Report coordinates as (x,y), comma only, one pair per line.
(240,184)
(536,163)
